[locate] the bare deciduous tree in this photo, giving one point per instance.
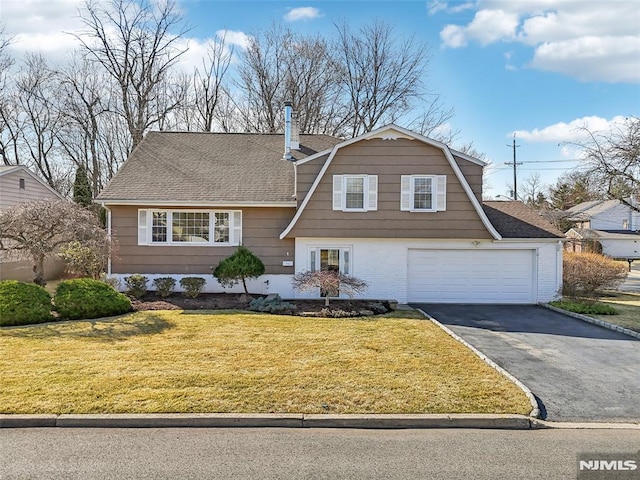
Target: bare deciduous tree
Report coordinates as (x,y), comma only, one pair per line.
(34,230)
(137,43)
(533,190)
(381,76)
(208,83)
(614,159)
(36,89)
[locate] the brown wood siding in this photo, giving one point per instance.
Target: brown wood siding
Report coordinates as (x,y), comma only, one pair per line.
(473,174)
(307,173)
(261,228)
(389,159)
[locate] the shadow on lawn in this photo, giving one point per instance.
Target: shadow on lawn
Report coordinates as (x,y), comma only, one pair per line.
(104,330)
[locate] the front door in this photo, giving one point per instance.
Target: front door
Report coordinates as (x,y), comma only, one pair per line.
(330,259)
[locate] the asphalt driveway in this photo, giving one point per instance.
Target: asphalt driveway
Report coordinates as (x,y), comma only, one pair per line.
(578,371)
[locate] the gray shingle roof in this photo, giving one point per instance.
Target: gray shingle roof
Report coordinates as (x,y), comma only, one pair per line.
(587,210)
(211,167)
(516,220)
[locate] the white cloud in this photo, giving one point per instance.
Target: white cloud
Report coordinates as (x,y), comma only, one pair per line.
(233,37)
(591,41)
(41,25)
(302,13)
(610,59)
(488,26)
(574,131)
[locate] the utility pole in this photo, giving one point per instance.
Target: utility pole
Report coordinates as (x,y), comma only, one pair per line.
(515,164)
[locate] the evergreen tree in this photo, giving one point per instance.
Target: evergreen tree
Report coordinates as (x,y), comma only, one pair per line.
(243,264)
(82,188)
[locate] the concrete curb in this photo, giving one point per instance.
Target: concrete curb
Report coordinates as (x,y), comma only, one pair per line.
(535,410)
(537,423)
(248,420)
(594,321)
(233,420)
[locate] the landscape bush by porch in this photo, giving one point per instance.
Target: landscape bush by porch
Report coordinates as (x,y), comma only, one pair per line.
(192,286)
(23,303)
(88,298)
(330,283)
(164,286)
(136,285)
(239,267)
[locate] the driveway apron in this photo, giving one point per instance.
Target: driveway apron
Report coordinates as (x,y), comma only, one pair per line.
(578,371)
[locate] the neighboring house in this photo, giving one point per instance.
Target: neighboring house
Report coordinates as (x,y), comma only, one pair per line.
(394,208)
(17,185)
(605,226)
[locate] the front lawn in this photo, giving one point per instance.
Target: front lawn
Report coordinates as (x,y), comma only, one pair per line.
(628,307)
(224,361)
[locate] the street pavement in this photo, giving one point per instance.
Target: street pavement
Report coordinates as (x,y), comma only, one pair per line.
(632,282)
(578,371)
(305,453)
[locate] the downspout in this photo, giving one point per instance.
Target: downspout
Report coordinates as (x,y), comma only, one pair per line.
(295,181)
(109,235)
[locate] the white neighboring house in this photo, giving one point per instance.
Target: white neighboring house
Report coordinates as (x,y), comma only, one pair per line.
(606,226)
(18,184)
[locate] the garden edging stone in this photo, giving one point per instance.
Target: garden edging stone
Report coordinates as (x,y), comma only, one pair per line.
(594,321)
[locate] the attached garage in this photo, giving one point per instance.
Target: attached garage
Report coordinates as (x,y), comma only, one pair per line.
(472,276)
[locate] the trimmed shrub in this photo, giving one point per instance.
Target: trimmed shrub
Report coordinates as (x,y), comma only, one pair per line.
(271,305)
(239,267)
(192,286)
(88,298)
(23,303)
(586,308)
(136,285)
(584,274)
(164,286)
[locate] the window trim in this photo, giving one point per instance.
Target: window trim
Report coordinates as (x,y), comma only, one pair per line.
(313,255)
(369,192)
(145,227)
(438,193)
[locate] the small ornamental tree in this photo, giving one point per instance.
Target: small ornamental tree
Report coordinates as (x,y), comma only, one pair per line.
(240,266)
(36,230)
(585,274)
(330,283)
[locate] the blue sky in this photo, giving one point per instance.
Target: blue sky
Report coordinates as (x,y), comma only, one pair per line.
(541,68)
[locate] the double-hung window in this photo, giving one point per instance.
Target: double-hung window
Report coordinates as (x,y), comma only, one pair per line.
(423,193)
(355,193)
(189,227)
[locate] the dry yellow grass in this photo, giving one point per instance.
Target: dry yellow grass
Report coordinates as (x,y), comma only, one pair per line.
(628,306)
(174,361)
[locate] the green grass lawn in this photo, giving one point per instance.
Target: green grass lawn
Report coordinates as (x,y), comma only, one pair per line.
(175,361)
(628,306)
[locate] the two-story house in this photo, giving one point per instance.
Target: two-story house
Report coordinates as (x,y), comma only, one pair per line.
(606,226)
(394,208)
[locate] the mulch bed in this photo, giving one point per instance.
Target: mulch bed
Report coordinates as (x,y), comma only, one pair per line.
(230,301)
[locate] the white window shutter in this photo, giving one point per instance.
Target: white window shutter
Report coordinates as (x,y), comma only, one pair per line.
(143,228)
(236,228)
(372,181)
(337,192)
(441,193)
(405,192)
(312,260)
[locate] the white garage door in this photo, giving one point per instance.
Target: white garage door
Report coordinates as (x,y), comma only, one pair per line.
(471,276)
